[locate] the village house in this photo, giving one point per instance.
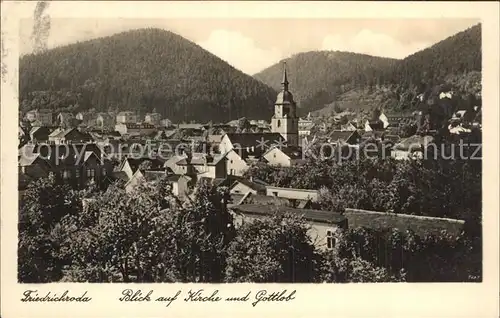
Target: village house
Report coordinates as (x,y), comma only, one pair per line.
(411,147)
(240,185)
(179,183)
(166,123)
(284,156)
(398,119)
(255,144)
(375,125)
(293,194)
(66,119)
(43,117)
(133,129)
(348,127)
(74,165)
(126,117)
(87,118)
(199,127)
(68,135)
(105,121)
(236,163)
(344,137)
(153,119)
(38,134)
(202,165)
(324,225)
(305,127)
(130,165)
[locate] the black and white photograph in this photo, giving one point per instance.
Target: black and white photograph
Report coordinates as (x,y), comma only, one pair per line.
(249,150)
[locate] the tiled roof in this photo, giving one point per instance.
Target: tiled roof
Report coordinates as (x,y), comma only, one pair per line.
(151,175)
(190,126)
(28,159)
(255,140)
(340,136)
(259,187)
(414,142)
(292,152)
(136,162)
(308,214)
(120,175)
(199,159)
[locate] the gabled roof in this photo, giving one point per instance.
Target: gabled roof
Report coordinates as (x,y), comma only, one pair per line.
(177,177)
(190,126)
(28,159)
(56,132)
(200,159)
(259,141)
(341,136)
(152,175)
(414,142)
(310,215)
(256,186)
(136,162)
(292,152)
(89,154)
(120,175)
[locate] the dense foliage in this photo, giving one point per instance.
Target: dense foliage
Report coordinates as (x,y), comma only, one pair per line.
(331,80)
(437,188)
(141,70)
(117,236)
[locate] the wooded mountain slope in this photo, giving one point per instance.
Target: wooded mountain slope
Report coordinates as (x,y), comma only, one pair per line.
(317,78)
(143,70)
(323,80)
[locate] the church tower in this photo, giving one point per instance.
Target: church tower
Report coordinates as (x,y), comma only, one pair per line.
(285,120)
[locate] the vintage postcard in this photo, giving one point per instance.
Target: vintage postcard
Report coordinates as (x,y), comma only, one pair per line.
(264,158)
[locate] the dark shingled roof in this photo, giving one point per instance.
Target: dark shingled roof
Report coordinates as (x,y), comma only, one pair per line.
(121,175)
(344,136)
(308,214)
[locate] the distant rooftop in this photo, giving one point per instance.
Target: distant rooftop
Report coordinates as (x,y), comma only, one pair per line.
(308,214)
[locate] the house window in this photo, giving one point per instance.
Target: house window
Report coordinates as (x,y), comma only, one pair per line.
(330,240)
(275,193)
(279,123)
(90,173)
(77,173)
(66,174)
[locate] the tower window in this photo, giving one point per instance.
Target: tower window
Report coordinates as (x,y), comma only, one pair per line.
(279,123)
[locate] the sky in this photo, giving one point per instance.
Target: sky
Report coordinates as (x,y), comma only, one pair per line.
(251,45)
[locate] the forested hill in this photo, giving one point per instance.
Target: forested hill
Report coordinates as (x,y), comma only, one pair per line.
(455,55)
(143,70)
(321,80)
(319,77)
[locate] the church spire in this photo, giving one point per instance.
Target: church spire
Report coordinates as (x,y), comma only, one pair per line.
(285,79)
